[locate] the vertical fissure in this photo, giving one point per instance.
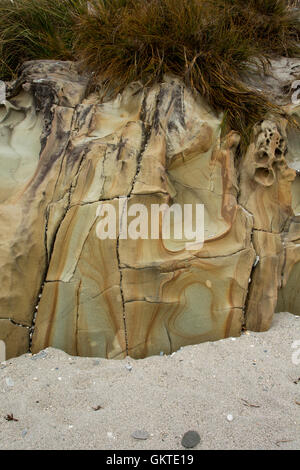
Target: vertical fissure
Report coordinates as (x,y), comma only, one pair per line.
(49,251)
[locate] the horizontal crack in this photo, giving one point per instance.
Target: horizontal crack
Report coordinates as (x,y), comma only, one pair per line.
(16,323)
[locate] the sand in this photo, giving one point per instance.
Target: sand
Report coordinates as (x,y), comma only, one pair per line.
(253,378)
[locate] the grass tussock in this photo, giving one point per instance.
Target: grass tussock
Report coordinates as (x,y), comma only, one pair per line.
(208,43)
(35,29)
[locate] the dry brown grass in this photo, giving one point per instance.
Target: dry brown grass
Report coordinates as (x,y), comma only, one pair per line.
(208,43)
(35,29)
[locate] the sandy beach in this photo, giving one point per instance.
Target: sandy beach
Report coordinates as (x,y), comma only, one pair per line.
(239,393)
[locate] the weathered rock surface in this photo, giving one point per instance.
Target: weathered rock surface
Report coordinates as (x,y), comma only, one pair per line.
(64,154)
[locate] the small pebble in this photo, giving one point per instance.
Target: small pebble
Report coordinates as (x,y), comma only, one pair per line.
(140,435)
(229,418)
(40,355)
(9,382)
(190,439)
(129,367)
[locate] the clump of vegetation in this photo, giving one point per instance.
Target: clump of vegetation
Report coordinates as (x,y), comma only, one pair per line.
(208,43)
(271,24)
(35,29)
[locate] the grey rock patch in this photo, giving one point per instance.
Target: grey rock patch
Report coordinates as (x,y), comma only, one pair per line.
(40,355)
(9,382)
(140,435)
(190,439)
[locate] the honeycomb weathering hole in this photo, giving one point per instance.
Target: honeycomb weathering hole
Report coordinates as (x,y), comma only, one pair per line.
(264,176)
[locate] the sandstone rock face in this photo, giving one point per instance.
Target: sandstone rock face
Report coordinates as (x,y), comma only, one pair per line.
(280,84)
(65,154)
(289,293)
(265,182)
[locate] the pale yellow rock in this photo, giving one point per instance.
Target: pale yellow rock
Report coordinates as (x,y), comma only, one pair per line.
(265,280)
(289,293)
(100,296)
(155,146)
(266,182)
(81,307)
(24,217)
(167,310)
(15,338)
(20,133)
